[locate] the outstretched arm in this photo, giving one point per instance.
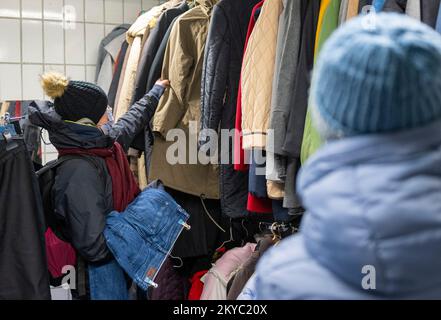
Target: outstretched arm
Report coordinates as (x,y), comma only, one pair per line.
(139,115)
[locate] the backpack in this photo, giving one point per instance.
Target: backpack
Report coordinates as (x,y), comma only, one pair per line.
(59,251)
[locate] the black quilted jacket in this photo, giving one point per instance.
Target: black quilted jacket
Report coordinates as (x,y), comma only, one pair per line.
(220,81)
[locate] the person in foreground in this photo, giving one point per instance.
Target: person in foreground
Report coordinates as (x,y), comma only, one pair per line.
(96,179)
(372,229)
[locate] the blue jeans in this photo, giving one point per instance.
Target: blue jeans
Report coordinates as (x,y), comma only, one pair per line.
(107,282)
(142,236)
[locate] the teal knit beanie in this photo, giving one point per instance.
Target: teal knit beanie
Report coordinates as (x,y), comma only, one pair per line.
(379,76)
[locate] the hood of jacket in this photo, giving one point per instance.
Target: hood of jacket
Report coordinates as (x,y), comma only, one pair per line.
(147,20)
(375,201)
(63,134)
(206,5)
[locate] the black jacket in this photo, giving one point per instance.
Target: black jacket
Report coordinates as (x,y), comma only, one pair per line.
(82,192)
(150,49)
(23,264)
(395,6)
(429,12)
(429,9)
(220,82)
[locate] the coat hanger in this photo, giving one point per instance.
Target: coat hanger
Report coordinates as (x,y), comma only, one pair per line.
(8,130)
(231,239)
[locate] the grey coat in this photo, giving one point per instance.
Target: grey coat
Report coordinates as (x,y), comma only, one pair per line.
(108,54)
(288,47)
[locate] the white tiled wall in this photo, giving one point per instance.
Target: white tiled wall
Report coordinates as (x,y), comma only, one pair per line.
(60,35)
(63,35)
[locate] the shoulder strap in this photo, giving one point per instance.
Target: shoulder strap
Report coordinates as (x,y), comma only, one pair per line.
(55,163)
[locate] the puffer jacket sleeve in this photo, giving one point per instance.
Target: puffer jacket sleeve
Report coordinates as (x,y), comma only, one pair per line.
(80,197)
(136,119)
(215,72)
(177,66)
(249,290)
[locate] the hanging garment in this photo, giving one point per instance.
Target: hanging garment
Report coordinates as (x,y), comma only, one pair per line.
(237,283)
(216,280)
(197,286)
(151,46)
(413,9)
(438,22)
(257,180)
(429,11)
(171,285)
(275,190)
(31,133)
(180,107)
(343,15)
(121,79)
(398,6)
(158,61)
(296,123)
(205,217)
(154,75)
(239,154)
(107,56)
(327,25)
(364,5)
(111,96)
(148,54)
(257,76)
(325,259)
(23,266)
(352,9)
(379,5)
(220,80)
(259,205)
(258,200)
(287,54)
(136,36)
(139,30)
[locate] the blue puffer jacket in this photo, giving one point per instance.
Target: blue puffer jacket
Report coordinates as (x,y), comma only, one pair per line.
(371,201)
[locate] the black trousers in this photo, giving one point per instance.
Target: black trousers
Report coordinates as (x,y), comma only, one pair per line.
(23,265)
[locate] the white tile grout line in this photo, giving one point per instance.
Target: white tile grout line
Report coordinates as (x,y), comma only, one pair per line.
(21,50)
(51,64)
(42,42)
(52,20)
(124,14)
(85,41)
(64,38)
(42,19)
(104,15)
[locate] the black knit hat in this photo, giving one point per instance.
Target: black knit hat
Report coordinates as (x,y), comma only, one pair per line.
(75,100)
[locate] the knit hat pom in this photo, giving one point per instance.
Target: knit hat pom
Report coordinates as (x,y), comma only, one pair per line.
(54,84)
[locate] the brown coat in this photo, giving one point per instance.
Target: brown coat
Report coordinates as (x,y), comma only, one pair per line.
(181,104)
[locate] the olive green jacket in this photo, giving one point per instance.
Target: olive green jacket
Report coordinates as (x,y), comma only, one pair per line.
(181,104)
